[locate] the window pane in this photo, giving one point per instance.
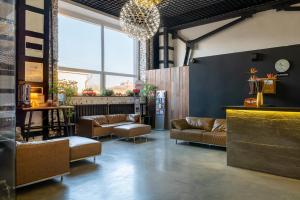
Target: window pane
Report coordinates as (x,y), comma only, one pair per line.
(84,80)
(119,84)
(79,44)
(118,52)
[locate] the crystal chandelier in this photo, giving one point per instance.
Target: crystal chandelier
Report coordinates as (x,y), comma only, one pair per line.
(138,21)
(147,3)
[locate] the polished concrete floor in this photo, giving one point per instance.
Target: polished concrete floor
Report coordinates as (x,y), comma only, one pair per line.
(161,170)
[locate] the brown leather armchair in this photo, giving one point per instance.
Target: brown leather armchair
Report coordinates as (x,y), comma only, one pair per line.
(42,160)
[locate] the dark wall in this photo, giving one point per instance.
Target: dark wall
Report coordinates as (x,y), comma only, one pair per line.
(221,80)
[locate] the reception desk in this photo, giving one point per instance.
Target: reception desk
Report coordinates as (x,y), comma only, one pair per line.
(264,139)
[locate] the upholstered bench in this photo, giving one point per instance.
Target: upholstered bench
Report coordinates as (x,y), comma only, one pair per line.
(132,131)
(81,148)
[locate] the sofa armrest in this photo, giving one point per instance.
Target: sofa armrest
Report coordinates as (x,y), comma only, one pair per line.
(86,127)
(36,161)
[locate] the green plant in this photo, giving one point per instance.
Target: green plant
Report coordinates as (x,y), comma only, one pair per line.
(129,93)
(107,93)
(148,90)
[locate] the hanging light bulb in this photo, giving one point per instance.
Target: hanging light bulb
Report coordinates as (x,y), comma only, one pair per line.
(138,21)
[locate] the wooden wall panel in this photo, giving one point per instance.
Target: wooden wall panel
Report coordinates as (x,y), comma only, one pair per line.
(176,82)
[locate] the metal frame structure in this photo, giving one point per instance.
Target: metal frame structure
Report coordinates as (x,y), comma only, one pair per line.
(79,16)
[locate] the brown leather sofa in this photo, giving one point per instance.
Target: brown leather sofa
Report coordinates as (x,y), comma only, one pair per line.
(202,130)
(102,125)
(42,160)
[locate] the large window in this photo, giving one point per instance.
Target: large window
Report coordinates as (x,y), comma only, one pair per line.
(94,56)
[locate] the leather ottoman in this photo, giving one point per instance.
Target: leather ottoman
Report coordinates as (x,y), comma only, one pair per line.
(132,130)
(81,148)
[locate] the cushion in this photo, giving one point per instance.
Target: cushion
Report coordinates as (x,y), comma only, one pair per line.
(220,125)
(181,124)
(100,120)
(200,123)
(133,118)
(132,130)
(194,131)
(112,119)
(81,147)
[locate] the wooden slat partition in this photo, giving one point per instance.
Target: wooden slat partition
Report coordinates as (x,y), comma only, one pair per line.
(176,82)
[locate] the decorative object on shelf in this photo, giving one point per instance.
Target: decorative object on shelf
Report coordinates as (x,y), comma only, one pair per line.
(282,65)
(139,22)
(250,102)
(136,91)
(147,3)
(107,93)
(253,71)
(259,97)
(24,95)
(269,82)
(129,93)
(89,92)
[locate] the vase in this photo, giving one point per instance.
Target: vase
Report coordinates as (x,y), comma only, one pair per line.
(260,95)
(259,99)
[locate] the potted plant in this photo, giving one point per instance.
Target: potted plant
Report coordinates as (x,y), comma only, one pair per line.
(149,93)
(107,93)
(129,93)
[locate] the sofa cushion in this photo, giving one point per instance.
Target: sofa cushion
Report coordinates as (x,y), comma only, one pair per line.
(81,147)
(219,138)
(100,120)
(193,131)
(181,124)
(200,123)
(112,119)
(116,124)
(133,118)
(220,125)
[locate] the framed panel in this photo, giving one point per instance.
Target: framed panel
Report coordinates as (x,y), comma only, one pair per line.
(34,22)
(35,3)
(34,72)
(34,47)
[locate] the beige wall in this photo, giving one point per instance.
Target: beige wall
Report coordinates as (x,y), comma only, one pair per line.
(264,30)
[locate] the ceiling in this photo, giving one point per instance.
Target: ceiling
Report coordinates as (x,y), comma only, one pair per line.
(179,14)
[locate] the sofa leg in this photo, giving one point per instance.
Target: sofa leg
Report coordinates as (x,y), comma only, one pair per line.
(94,159)
(61,178)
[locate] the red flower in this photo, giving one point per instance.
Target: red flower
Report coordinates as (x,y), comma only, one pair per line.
(136,91)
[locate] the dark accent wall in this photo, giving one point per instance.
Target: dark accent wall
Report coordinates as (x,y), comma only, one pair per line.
(218,81)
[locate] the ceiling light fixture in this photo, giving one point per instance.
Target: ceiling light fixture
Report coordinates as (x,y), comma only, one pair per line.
(147,3)
(138,21)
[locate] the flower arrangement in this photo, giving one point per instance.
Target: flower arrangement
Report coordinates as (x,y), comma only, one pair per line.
(89,92)
(253,72)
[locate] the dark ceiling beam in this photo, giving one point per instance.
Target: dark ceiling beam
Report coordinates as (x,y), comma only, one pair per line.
(291,8)
(226,26)
(190,44)
(247,11)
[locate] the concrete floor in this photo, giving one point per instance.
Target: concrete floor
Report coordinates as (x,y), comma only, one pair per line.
(161,170)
